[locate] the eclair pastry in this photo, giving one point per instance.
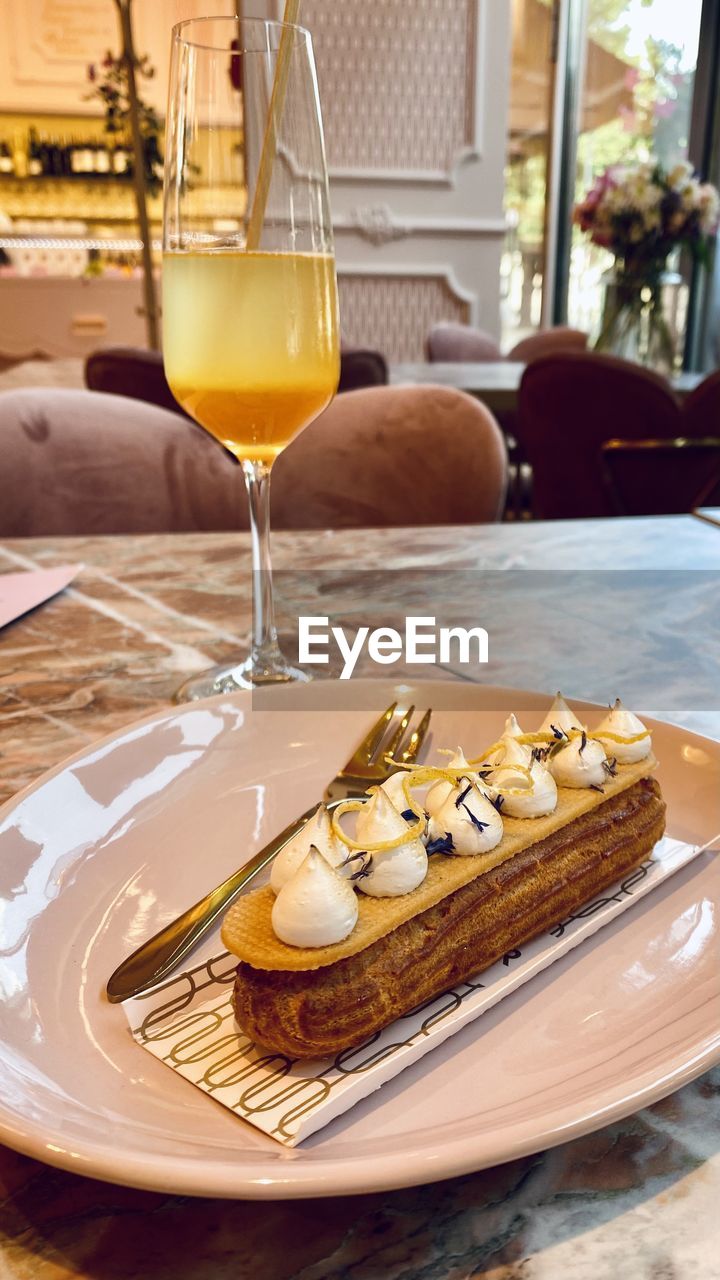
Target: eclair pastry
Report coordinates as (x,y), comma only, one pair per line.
(310,1001)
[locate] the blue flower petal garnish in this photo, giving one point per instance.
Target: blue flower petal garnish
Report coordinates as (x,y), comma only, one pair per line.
(481,826)
(462,795)
(443,844)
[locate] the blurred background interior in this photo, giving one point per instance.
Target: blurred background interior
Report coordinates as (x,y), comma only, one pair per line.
(460,136)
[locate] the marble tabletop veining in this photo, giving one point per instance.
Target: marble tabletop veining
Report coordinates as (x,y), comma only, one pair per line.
(636,1200)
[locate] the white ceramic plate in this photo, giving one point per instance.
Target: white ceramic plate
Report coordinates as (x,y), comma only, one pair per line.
(109,847)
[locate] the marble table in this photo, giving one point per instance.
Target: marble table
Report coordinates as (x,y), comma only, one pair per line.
(636,1200)
(495,382)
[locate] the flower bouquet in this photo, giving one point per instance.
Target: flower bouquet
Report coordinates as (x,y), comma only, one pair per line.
(642,214)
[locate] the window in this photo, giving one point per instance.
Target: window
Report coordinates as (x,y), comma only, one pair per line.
(636,61)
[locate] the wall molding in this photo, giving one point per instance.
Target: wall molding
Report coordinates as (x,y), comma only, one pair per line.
(416,271)
(378,225)
(473,147)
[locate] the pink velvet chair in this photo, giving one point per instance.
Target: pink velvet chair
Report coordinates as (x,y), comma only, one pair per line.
(460,343)
(568,405)
(546,342)
(393,456)
(140,374)
(77,462)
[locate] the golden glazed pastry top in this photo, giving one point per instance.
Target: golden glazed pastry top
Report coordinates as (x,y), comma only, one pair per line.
(248,933)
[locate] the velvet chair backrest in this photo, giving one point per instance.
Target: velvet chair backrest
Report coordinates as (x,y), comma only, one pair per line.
(393,456)
(701,409)
(140,374)
(361,368)
(79,462)
(460,343)
(547,342)
(133,372)
(570,403)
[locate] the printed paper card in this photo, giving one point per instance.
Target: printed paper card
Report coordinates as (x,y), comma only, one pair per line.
(20,592)
(187,1022)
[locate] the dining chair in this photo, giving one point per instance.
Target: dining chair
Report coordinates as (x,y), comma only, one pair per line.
(83,462)
(701,409)
(78,462)
(546,342)
(140,374)
(568,405)
(361,367)
(131,371)
(461,343)
(660,477)
(393,456)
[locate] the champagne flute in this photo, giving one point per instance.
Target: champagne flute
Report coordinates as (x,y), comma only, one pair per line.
(250,330)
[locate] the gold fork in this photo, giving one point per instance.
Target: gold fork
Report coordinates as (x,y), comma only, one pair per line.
(369,763)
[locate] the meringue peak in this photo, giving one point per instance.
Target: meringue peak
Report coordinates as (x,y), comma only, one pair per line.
(624,734)
(516,753)
(394,789)
(560,716)
(316,906)
(382,811)
(468,818)
(581,762)
(316,832)
(388,873)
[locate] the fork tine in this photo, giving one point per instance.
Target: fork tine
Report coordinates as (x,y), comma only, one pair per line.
(417,737)
(365,750)
(394,742)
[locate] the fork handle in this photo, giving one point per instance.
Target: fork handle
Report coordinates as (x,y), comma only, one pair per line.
(163,952)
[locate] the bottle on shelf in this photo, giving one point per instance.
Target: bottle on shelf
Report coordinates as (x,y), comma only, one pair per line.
(7,160)
(65,151)
(66,157)
(81,159)
(34,154)
(45,159)
(120,160)
(102,160)
(88,158)
(74,158)
(54,159)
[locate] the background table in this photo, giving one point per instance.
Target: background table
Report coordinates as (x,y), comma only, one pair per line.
(495,382)
(637,1200)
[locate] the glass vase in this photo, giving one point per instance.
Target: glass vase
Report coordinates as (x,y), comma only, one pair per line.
(637,320)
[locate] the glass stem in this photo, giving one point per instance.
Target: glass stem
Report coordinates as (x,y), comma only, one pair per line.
(265,650)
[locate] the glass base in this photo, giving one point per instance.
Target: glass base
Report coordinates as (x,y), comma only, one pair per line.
(254,673)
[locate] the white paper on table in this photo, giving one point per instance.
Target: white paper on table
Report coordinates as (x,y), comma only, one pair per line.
(20,592)
(187,1022)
